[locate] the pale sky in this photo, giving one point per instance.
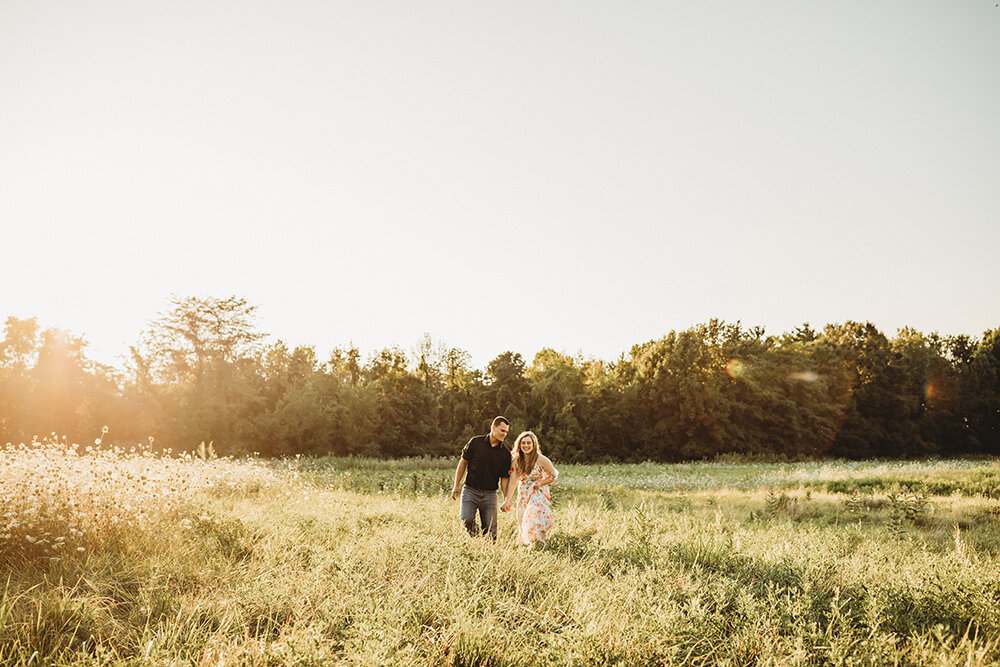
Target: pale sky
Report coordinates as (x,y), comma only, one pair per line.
(503,176)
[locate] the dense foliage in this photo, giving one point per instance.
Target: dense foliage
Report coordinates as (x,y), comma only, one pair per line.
(204,373)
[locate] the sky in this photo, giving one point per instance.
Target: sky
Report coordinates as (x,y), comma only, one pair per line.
(577,175)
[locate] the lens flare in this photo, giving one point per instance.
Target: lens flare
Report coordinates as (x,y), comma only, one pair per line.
(804,376)
(735,368)
(935,393)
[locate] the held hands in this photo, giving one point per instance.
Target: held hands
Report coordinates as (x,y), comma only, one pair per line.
(505,507)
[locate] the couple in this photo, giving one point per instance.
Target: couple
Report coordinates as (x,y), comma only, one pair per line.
(525,469)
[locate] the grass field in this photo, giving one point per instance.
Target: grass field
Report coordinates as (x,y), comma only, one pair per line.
(116,557)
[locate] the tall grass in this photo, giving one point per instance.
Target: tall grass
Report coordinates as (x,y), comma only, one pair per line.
(241,562)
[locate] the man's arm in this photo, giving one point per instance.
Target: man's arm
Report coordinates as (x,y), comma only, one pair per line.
(459,474)
(510,485)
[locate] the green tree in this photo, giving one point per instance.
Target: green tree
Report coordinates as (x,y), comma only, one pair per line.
(459,411)
(506,389)
(18,354)
(48,385)
(607,432)
(357,414)
(557,401)
(883,416)
(290,415)
(195,366)
(406,408)
(981,393)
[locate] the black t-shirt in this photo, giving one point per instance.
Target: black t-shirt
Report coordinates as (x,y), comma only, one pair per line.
(486,463)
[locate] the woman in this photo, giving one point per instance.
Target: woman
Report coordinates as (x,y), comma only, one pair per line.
(534,473)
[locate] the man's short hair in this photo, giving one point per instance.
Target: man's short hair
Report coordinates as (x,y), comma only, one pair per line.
(499,420)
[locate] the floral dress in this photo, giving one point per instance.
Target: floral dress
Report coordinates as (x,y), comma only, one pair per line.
(534,508)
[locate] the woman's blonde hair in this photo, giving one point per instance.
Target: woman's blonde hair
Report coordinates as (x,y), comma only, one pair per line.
(522,462)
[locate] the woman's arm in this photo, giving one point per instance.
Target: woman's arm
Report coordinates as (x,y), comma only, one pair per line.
(509,488)
(551,474)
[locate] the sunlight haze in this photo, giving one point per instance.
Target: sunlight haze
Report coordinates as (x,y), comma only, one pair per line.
(576,175)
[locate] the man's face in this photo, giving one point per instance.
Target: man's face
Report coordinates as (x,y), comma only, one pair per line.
(499,432)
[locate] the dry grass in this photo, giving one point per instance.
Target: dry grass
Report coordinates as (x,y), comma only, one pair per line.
(213,562)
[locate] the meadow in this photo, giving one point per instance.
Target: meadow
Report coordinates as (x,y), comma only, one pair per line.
(122,556)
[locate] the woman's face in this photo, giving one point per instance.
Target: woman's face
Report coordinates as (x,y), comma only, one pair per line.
(526,444)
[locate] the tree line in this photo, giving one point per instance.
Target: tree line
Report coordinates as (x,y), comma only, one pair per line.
(203,372)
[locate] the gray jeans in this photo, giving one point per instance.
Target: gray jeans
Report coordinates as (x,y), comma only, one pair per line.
(486,503)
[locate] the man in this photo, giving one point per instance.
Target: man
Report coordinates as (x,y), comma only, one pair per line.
(488,462)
